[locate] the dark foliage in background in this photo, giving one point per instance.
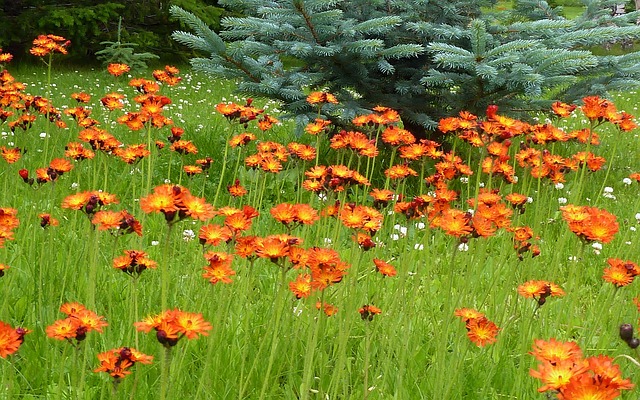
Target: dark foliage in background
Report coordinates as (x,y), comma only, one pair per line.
(88,22)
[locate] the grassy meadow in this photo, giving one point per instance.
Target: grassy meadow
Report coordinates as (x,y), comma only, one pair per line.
(353,298)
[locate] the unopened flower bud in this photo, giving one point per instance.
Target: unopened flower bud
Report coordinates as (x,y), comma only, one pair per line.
(626,332)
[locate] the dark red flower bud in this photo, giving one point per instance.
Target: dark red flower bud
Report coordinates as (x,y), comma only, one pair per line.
(626,332)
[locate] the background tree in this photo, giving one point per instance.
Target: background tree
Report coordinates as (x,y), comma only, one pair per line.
(87,23)
(426,59)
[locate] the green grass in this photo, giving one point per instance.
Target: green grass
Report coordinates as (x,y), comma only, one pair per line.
(265,343)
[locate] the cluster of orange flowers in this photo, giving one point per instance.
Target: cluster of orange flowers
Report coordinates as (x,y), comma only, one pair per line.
(620,272)
(49,44)
(10,339)
(564,371)
(176,203)
(89,201)
(8,222)
(167,75)
(496,134)
(368,311)
(118,362)
(480,330)
(269,157)
(292,215)
(151,107)
(134,262)
(173,325)
(540,290)
(117,222)
(590,223)
(334,178)
(243,114)
(76,325)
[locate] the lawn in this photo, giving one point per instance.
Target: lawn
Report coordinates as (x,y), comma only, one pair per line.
(322,265)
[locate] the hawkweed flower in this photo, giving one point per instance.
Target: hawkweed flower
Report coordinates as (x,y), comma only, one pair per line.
(176,203)
(563,369)
(48,44)
(384,267)
(89,202)
(11,155)
(47,220)
(76,325)
(118,362)
(328,309)
(540,291)
(117,222)
(301,286)
(8,222)
(214,234)
(117,69)
(237,190)
(480,330)
(134,262)
(620,273)
(3,267)
(219,267)
(368,311)
(590,224)
(10,339)
(172,325)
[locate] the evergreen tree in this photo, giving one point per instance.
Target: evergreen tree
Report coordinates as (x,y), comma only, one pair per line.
(424,58)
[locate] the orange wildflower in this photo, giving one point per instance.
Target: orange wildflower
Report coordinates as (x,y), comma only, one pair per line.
(301,286)
(118,69)
(555,351)
(219,268)
(118,362)
(481,331)
(384,267)
(213,235)
(10,339)
(368,311)
(78,323)
(173,325)
(321,97)
(11,155)
(134,262)
(562,110)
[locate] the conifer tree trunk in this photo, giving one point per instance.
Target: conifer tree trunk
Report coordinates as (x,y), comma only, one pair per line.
(638,8)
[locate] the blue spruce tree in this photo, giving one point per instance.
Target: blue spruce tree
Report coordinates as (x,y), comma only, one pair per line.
(427,59)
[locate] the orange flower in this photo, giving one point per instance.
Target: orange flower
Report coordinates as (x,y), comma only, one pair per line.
(117,362)
(118,69)
(555,376)
(213,235)
(454,222)
(219,268)
(11,155)
(368,311)
(540,290)
(317,127)
(10,339)
(467,314)
(384,267)
(481,331)
(47,220)
(237,190)
(562,110)
(590,223)
(197,207)
(301,287)
(328,309)
(399,172)
(620,273)
(555,351)
(173,325)
(78,323)
(191,324)
(321,97)
(133,262)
